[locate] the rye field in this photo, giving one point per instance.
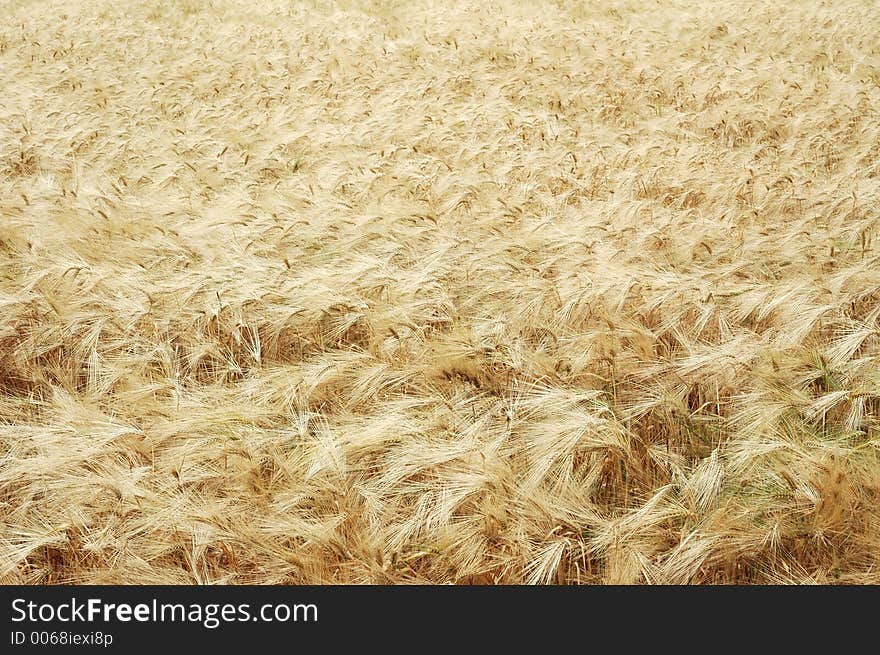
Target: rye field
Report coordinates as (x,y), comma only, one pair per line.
(368,291)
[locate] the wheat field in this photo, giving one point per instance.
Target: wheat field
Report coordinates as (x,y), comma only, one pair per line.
(439,292)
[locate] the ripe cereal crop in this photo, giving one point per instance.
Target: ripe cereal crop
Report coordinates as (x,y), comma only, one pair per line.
(439,292)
